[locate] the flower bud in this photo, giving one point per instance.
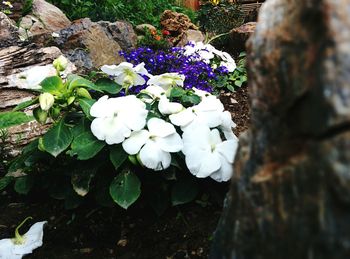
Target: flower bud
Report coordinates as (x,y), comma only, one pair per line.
(46,100)
(70,100)
(60,63)
(82,92)
(40,115)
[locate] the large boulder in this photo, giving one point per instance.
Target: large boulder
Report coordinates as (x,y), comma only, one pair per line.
(290,195)
(44,18)
(90,45)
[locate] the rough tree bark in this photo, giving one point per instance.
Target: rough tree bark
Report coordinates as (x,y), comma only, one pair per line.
(290,196)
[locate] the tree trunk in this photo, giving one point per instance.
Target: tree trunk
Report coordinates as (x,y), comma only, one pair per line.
(290,196)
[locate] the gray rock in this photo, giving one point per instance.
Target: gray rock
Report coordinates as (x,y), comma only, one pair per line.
(191,35)
(88,45)
(290,195)
(8,31)
(122,32)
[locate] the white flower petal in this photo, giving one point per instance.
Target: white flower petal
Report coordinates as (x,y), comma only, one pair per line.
(153,157)
(182,118)
(137,139)
(33,239)
(111,70)
(210,163)
(228,149)
(140,69)
(100,108)
(224,173)
(172,143)
(167,107)
(160,128)
(154,90)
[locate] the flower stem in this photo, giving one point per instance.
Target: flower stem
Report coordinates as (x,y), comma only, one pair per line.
(18,240)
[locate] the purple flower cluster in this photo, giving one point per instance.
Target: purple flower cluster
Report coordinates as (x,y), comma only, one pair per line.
(197,73)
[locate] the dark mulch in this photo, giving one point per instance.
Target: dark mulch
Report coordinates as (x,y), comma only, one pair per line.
(96,232)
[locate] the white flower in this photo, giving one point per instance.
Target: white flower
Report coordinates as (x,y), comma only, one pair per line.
(155,144)
(204,51)
(126,74)
(167,107)
(46,100)
(201,93)
(206,155)
(167,80)
(117,117)
(9,249)
(35,75)
(208,111)
(228,62)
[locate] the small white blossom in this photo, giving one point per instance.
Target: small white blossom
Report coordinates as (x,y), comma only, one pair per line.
(206,155)
(35,75)
(126,74)
(167,107)
(117,117)
(155,144)
(167,80)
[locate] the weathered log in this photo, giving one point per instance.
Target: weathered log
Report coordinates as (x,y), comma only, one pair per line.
(290,196)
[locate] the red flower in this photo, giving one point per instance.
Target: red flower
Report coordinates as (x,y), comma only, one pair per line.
(165,32)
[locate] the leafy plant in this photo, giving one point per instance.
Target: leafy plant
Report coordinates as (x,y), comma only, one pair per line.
(106,144)
(136,11)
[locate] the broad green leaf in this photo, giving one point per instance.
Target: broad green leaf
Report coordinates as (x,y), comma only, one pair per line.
(9,119)
(25,104)
(57,139)
(40,115)
(24,184)
(75,81)
(5,181)
(52,85)
(193,99)
(125,189)
(86,146)
(117,155)
(86,104)
(81,127)
(177,92)
(108,85)
(81,179)
(184,191)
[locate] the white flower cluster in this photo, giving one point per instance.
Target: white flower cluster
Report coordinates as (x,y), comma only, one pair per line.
(123,120)
(210,55)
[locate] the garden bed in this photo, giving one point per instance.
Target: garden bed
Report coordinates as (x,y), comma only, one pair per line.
(95,232)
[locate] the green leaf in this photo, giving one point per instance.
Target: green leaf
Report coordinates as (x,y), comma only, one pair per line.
(177,92)
(184,191)
(238,83)
(192,99)
(125,189)
(5,181)
(9,119)
(108,85)
(40,115)
(81,127)
(75,81)
(117,155)
(52,85)
(86,146)
(57,139)
(86,104)
(81,179)
(24,184)
(25,104)
(231,88)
